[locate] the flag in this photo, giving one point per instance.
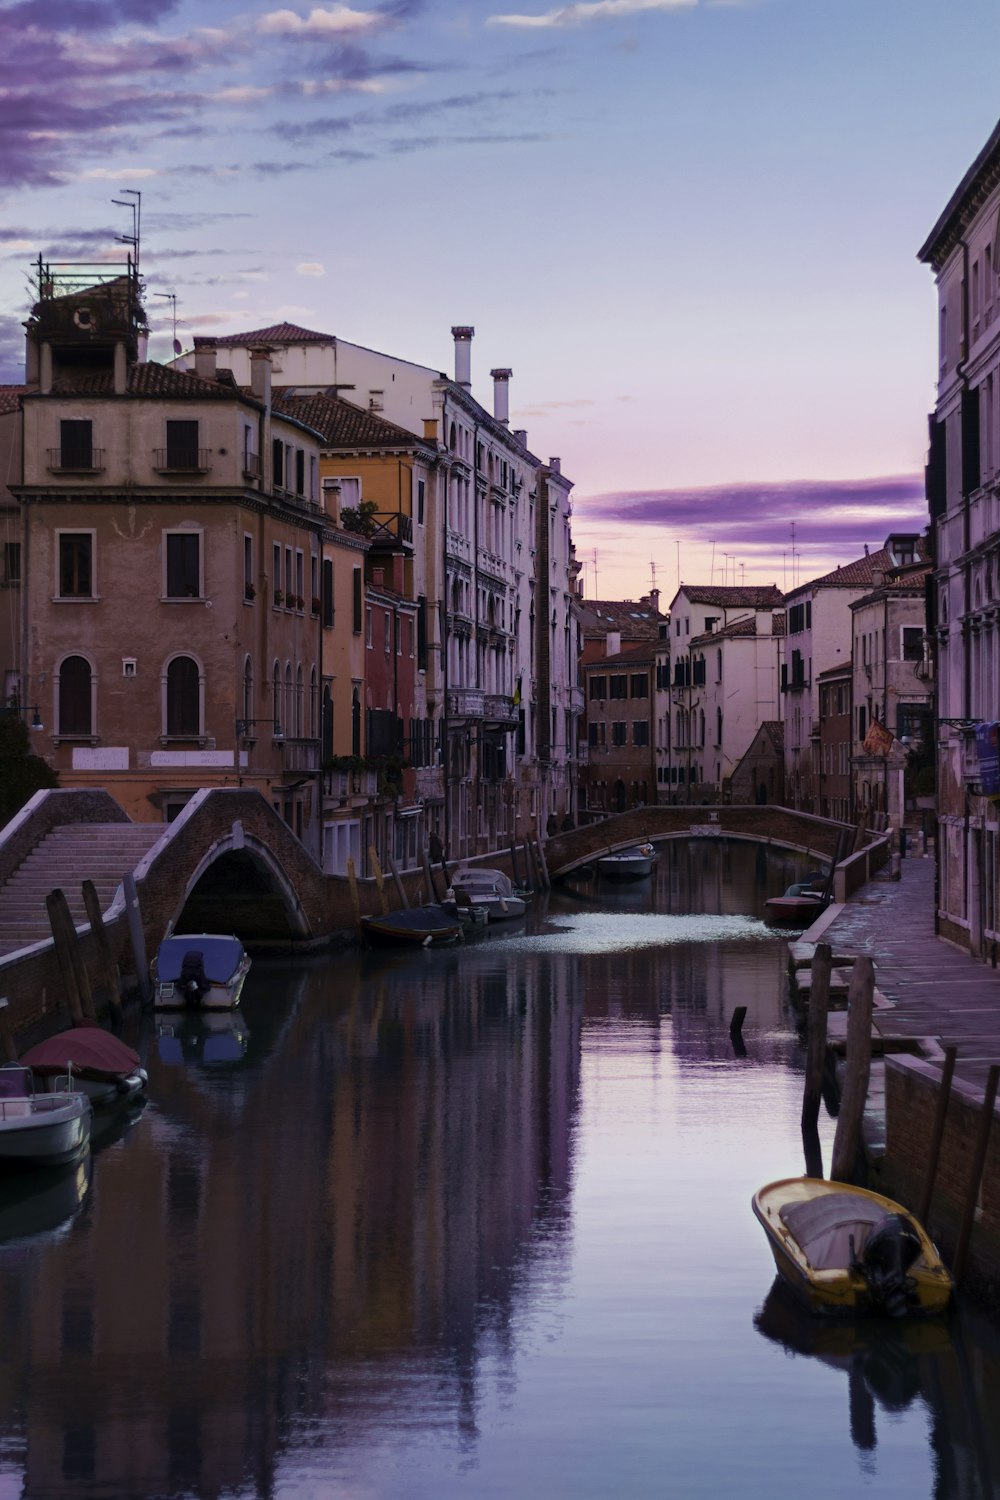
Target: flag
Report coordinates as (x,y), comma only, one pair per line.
(878,740)
(517,694)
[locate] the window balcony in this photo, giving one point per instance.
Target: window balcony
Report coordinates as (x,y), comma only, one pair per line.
(70,461)
(300,754)
(500,710)
(466,703)
(391,531)
(186,461)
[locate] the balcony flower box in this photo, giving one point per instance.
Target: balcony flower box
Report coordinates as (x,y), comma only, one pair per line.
(249,592)
(300,603)
(279,598)
(315,605)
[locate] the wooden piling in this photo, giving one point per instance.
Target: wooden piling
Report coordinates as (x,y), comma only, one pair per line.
(542,865)
(379,879)
(515,877)
(64,938)
(432,894)
(136,936)
(736,1030)
(6,1035)
(397,881)
(106,965)
(847,1141)
(819,1005)
(352,885)
(534,879)
(976,1171)
(937,1132)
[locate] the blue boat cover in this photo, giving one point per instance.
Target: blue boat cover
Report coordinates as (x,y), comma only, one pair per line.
(220,955)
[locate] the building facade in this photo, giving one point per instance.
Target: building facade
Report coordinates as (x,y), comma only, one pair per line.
(963,493)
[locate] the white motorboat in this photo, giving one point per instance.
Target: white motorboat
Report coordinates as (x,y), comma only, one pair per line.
(492,890)
(199,971)
(40,1130)
(628,864)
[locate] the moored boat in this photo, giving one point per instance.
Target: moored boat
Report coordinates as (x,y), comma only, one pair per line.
(199,971)
(492,890)
(40,1130)
(414,926)
(628,864)
(103,1067)
(844,1249)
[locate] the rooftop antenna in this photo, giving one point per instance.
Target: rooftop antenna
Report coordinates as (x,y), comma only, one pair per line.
(652,575)
(596,594)
(795,577)
(172,299)
(712,575)
(678,546)
(136,207)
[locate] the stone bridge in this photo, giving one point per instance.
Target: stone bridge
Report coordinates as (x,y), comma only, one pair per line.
(782,827)
(228,863)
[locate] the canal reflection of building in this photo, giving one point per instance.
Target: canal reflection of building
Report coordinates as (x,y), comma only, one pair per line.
(952,1365)
(339,1220)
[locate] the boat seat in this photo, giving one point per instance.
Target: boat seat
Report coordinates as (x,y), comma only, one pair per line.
(823,1227)
(15,1109)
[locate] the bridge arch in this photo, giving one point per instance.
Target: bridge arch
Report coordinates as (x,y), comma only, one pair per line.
(239,872)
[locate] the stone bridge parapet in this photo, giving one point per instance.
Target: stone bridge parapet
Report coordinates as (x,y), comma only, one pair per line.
(782,826)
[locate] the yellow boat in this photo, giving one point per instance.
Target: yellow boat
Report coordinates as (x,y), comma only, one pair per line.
(846,1250)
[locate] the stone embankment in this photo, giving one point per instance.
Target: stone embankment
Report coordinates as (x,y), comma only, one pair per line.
(930,996)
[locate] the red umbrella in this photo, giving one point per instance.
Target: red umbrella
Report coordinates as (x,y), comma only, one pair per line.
(87,1048)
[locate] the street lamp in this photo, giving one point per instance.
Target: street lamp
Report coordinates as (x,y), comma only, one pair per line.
(12,706)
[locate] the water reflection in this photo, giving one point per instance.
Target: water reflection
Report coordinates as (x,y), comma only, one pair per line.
(466,1222)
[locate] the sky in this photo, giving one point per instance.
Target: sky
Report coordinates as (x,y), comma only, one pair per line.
(689,227)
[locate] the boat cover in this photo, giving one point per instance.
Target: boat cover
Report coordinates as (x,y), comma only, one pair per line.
(220,955)
(88,1048)
(823,1226)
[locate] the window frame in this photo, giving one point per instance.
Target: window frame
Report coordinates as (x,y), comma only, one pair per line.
(76,531)
(196,532)
(167,735)
(78,736)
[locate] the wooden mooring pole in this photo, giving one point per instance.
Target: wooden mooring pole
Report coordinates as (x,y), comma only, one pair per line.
(432,894)
(847,1141)
(976,1171)
(64,938)
(736,1030)
(397,881)
(937,1132)
(352,886)
(379,879)
(136,936)
(107,968)
(819,1006)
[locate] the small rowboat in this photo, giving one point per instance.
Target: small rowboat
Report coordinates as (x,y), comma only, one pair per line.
(415,926)
(103,1067)
(628,864)
(844,1249)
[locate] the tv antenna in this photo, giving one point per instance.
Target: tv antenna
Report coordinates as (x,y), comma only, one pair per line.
(171,297)
(135,204)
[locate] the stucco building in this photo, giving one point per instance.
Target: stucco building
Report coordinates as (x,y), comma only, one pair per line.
(963,493)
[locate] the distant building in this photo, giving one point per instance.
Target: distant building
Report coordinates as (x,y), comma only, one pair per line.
(818,637)
(760,776)
(834,771)
(891,689)
(621,762)
(963,486)
(702,751)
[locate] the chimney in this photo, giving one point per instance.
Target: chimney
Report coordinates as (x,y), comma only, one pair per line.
(430,429)
(142,348)
(501,396)
(260,374)
(378,578)
(764,622)
(521,436)
(121,369)
(463,355)
(878,578)
(204,359)
(555,464)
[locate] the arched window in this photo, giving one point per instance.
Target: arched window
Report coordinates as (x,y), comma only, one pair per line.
(248,688)
(313,732)
(327,727)
(299,708)
(183,698)
(288,718)
(75,696)
(355,723)
(452,436)
(276,696)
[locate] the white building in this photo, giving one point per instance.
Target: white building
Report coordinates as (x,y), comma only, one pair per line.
(712,710)
(500,575)
(963,492)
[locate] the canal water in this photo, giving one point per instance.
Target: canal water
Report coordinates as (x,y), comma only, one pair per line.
(471,1223)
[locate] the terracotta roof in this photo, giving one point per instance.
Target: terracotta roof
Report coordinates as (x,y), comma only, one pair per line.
(278,333)
(842,669)
(634,656)
(853,575)
(754,596)
(637,618)
(10,398)
(150,379)
(341,424)
(744,627)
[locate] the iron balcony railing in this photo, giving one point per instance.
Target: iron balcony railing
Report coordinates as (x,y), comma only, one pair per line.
(183,461)
(76,461)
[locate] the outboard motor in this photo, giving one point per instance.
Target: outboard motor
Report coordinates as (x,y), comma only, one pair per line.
(889,1252)
(193,981)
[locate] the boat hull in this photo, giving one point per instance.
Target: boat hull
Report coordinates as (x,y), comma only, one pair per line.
(793,911)
(52,1130)
(833,1290)
(219,982)
(412,929)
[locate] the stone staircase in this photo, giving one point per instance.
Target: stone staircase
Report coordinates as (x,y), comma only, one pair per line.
(70,854)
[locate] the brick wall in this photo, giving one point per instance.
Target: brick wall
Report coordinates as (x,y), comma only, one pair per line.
(911,1102)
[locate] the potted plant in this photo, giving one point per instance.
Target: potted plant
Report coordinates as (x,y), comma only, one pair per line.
(249,592)
(300,603)
(315,604)
(279,598)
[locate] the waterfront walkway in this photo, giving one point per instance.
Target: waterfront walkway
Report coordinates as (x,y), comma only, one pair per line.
(936,992)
